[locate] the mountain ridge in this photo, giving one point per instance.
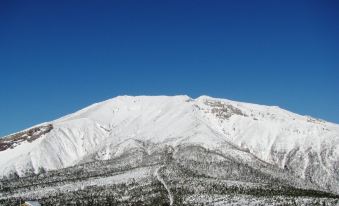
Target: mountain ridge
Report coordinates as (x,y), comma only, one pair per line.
(305,148)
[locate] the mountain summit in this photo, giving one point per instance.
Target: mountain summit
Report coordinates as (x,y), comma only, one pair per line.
(300,151)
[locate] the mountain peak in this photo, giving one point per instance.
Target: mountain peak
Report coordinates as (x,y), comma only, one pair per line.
(239,130)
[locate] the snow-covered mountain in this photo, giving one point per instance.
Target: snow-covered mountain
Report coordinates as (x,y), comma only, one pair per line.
(298,149)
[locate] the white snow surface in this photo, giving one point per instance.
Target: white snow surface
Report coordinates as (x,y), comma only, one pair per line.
(109,128)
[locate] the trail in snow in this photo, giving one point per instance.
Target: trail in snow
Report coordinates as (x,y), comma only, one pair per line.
(170,195)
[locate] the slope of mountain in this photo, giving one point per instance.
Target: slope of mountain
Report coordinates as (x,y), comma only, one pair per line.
(213,138)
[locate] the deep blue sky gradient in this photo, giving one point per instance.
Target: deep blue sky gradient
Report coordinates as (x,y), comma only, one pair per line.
(58,57)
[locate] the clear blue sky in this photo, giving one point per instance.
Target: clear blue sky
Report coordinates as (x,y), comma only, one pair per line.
(58,57)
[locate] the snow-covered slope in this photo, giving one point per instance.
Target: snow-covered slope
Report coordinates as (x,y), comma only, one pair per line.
(306,147)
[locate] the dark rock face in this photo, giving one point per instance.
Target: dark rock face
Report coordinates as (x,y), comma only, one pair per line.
(30,135)
(222,110)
